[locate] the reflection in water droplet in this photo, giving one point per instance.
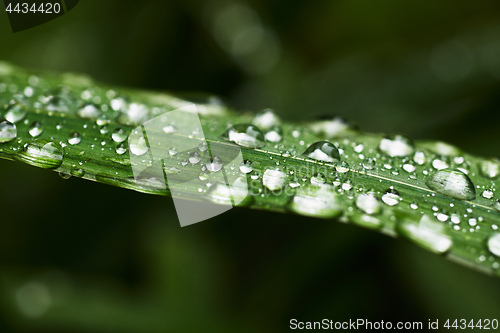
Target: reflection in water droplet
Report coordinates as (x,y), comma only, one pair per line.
(397,145)
(8,131)
(35,129)
(368,203)
(323,151)
(319,201)
(274,179)
(453,183)
(245,135)
(15,112)
(74,138)
(119,135)
(246,166)
(42,153)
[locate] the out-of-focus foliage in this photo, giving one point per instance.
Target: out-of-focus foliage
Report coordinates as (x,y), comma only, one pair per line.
(429,69)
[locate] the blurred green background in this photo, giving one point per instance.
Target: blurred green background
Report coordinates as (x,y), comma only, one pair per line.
(77,256)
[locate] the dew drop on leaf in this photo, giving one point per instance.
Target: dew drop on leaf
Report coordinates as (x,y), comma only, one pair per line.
(453,183)
(119,135)
(8,131)
(138,146)
(391,198)
(214,164)
(274,179)
(246,166)
(89,111)
(368,203)
(397,145)
(266,119)
(74,138)
(319,201)
(274,134)
(35,129)
(42,153)
(245,135)
(15,112)
(323,151)
(494,244)
(429,234)
(490,168)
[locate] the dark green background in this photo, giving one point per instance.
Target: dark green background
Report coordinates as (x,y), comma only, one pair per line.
(113,260)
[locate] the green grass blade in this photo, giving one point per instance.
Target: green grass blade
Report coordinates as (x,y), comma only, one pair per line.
(430,193)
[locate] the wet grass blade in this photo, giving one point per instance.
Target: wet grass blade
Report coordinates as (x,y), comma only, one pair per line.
(430,193)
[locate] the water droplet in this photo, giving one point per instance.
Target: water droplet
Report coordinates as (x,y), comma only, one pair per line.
(319,201)
(214,164)
(426,233)
(409,168)
(203,146)
(246,166)
(369,163)
(119,135)
(419,157)
(245,135)
(194,158)
(397,145)
(323,151)
(368,203)
(121,149)
(439,164)
(77,172)
(266,119)
(490,168)
(61,102)
(237,194)
(342,167)
(274,134)
(330,128)
(102,120)
(391,198)
(15,112)
(488,194)
(35,129)
(452,183)
(134,115)
(442,148)
(8,131)
(274,179)
(42,153)
(89,111)
(172,151)
(494,244)
(169,129)
(74,138)
(138,145)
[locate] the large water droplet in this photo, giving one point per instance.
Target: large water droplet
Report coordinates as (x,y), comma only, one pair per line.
(490,168)
(266,119)
(426,233)
(494,244)
(8,131)
(391,198)
(214,164)
(452,183)
(368,203)
(42,153)
(15,112)
(274,179)
(319,201)
(35,129)
(323,151)
(397,145)
(245,135)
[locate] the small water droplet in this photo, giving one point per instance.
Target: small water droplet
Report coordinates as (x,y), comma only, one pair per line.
(391,198)
(409,168)
(8,131)
(439,164)
(74,138)
(169,129)
(15,112)
(323,151)
(274,134)
(102,120)
(172,151)
(245,135)
(369,163)
(246,166)
(266,119)
(452,183)
(35,129)
(397,145)
(490,168)
(42,153)
(121,149)
(342,167)
(419,157)
(214,164)
(274,179)
(237,194)
(194,158)
(488,194)
(119,135)
(89,111)
(368,203)
(330,128)
(77,172)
